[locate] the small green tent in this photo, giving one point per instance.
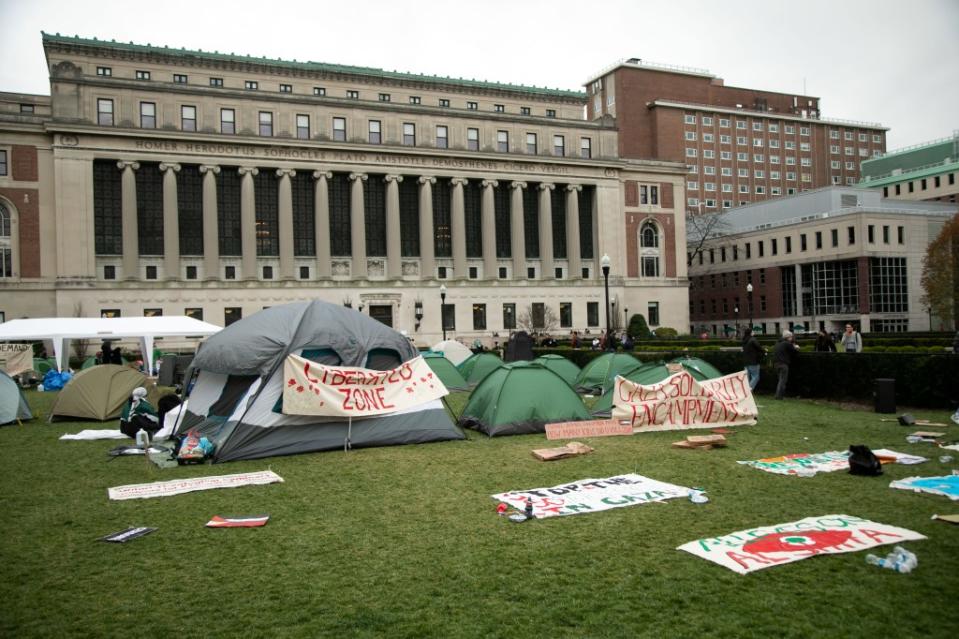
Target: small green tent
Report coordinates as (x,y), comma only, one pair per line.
(561,366)
(519,398)
(479,366)
(653,373)
(597,376)
(43,366)
(445,370)
(100,392)
(89,362)
(13,405)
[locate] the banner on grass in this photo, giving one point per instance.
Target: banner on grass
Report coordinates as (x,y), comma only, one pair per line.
(179,486)
(753,549)
(339,391)
(803,464)
(592,495)
(947,485)
(16,358)
(681,402)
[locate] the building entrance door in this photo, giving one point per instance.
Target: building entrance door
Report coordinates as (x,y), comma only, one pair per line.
(382,313)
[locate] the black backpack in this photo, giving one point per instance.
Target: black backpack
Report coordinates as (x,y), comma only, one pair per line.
(863,461)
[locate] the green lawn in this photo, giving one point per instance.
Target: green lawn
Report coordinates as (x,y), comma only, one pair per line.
(405,542)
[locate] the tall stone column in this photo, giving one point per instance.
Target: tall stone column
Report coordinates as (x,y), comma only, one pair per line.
(285,206)
(211,225)
(171,222)
(321,217)
(489,229)
(546,230)
(358,226)
(517,231)
(572,231)
(800,311)
(458,228)
(248,223)
(427,241)
(130,236)
(394,260)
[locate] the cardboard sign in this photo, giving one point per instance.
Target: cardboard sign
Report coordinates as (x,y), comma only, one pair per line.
(746,551)
(681,402)
(592,495)
(802,464)
(947,486)
(339,391)
(591,428)
(571,449)
(179,486)
(16,358)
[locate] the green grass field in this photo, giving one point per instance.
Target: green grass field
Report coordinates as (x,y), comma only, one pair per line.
(405,542)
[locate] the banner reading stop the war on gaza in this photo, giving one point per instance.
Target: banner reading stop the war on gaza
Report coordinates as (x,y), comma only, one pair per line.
(339,391)
(681,402)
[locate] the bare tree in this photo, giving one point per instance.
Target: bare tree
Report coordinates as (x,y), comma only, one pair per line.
(529,322)
(940,274)
(700,229)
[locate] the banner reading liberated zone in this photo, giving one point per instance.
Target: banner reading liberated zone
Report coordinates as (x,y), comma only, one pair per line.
(317,389)
(681,402)
(592,495)
(753,549)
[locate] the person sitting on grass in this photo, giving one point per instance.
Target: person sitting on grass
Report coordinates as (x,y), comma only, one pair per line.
(139,413)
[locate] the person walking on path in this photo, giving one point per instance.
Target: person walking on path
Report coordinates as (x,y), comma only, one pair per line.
(753,354)
(851,340)
(784,356)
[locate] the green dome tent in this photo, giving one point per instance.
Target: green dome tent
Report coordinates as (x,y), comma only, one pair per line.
(13,405)
(597,376)
(444,369)
(520,398)
(561,366)
(653,373)
(89,362)
(43,366)
(100,392)
(479,366)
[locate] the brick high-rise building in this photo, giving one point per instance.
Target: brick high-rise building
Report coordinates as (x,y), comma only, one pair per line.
(740,145)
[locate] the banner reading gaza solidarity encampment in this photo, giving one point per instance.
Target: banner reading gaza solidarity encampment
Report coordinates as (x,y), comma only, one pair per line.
(680,402)
(338,391)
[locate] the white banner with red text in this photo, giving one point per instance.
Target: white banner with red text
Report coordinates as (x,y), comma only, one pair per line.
(340,391)
(680,402)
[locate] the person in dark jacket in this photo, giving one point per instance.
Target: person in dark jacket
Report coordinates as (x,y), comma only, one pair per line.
(824,343)
(784,355)
(753,355)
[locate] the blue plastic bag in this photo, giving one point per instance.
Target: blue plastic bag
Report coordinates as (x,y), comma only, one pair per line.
(55,380)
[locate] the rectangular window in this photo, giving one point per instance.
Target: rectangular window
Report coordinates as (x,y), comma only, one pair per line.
(109,272)
(409,134)
(708,137)
(319,91)
(151,272)
(725,139)
(565,314)
(851,234)
(302,127)
(762,251)
(551,113)
(304,272)
(502,141)
(442,137)
(105,71)
(901,232)
(834,234)
(690,153)
(3,162)
(188,118)
(286,88)
(352,94)
(592,313)
(179,78)
(268,272)
(229,272)
(251,85)
(105,112)
(509,316)
(227,121)
(559,145)
(531,143)
(384,97)
(232,314)
(266,124)
(148,115)
(774,245)
(191,272)
(757,126)
(585,148)
(449,317)
(524,111)
(339,129)
(885,234)
(479,317)
(689,119)
(472,106)
(499,108)
(472,139)
(741,140)
(109,313)
(216,82)
(690,136)
(415,99)
(444,102)
(789,244)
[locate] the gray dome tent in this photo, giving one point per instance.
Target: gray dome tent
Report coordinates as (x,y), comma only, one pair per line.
(236,399)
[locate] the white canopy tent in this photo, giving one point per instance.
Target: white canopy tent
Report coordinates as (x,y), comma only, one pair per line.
(62,330)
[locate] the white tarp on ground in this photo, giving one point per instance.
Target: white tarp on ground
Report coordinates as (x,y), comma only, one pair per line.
(180,486)
(61,330)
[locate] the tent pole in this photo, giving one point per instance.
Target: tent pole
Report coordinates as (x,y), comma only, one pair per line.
(349,432)
(450,409)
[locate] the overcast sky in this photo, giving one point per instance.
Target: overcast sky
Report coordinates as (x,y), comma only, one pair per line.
(894,62)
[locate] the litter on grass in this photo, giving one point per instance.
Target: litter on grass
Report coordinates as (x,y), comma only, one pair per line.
(706,442)
(123,536)
(951,519)
(179,486)
(887,456)
(802,464)
(592,495)
(253,521)
(746,551)
(91,434)
(571,449)
(947,485)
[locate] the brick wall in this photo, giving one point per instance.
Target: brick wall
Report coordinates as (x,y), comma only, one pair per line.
(27,205)
(23,163)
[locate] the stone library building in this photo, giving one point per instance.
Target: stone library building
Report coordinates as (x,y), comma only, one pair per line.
(155,180)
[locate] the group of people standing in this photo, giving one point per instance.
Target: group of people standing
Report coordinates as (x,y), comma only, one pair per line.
(786,352)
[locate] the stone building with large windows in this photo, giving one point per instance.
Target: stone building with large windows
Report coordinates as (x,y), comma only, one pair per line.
(155,180)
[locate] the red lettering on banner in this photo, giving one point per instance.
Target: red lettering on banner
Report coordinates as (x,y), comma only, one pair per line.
(743,560)
(877,535)
(306,373)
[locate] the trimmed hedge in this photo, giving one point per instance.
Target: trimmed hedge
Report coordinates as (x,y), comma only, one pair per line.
(922,380)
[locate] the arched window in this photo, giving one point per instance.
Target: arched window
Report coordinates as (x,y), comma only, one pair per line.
(6,243)
(649,249)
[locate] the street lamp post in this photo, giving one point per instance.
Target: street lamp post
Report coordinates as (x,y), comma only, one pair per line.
(626,320)
(443,309)
(736,311)
(604,262)
(749,293)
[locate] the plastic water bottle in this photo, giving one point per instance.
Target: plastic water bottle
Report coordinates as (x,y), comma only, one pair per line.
(529,507)
(905,560)
(143,439)
(876,560)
